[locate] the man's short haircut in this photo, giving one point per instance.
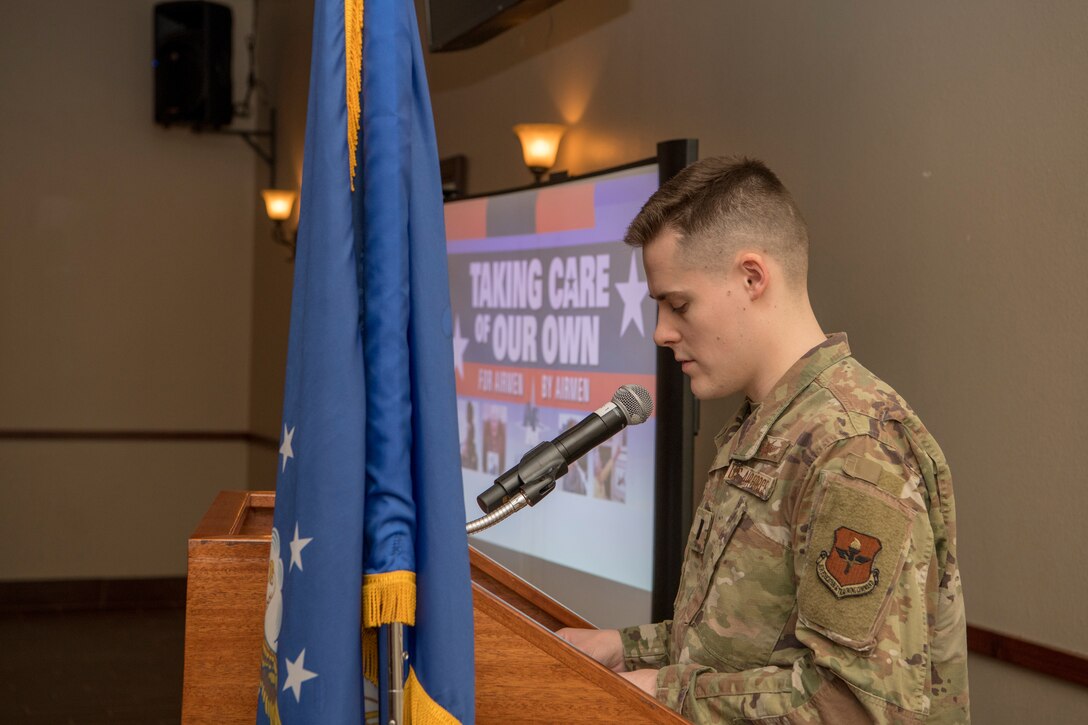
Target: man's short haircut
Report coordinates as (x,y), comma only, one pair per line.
(719,205)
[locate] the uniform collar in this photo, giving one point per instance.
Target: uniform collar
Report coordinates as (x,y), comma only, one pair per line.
(759,420)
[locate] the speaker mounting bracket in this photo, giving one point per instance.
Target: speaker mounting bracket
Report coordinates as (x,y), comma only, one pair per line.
(265,152)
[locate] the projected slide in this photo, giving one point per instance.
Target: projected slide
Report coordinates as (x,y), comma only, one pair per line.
(550,317)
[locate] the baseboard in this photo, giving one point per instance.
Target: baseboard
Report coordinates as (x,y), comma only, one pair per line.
(73,595)
(1068,666)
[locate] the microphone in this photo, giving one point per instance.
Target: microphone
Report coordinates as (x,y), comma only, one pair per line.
(535,474)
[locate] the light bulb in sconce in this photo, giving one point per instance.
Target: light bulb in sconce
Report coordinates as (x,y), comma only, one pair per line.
(278,203)
(539,145)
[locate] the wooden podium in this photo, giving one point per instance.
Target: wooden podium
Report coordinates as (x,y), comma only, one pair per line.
(524,673)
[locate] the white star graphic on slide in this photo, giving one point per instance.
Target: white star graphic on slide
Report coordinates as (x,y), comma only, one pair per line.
(633,292)
(297,674)
(459,345)
(297,545)
(285,449)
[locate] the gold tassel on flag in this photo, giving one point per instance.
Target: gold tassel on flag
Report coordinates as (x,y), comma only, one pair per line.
(353,72)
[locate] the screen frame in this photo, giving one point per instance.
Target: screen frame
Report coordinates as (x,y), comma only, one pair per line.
(676,409)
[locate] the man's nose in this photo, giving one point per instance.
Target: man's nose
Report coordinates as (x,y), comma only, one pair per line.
(664,333)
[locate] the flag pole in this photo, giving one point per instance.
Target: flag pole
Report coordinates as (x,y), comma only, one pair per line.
(397,656)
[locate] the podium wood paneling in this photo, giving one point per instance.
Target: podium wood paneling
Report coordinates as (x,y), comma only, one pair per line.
(524,673)
(224,609)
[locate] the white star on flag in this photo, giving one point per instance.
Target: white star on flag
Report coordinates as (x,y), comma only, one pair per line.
(459,345)
(297,674)
(285,449)
(633,292)
(297,545)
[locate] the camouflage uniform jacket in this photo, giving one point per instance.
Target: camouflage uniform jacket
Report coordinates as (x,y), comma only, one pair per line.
(820,581)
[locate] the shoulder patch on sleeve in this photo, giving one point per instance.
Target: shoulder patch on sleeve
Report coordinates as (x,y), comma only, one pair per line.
(856,549)
(852,550)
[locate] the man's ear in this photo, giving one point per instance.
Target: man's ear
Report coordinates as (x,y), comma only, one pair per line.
(754,271)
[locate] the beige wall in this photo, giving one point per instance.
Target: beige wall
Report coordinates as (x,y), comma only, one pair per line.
(940,155)
(284,61)
(126,296)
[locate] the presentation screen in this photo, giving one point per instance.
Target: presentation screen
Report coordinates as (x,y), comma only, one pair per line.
(550,316)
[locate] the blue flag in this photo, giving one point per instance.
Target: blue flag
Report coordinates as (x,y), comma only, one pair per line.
(369,520)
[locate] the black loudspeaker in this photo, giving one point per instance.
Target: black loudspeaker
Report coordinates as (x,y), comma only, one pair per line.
(193,64)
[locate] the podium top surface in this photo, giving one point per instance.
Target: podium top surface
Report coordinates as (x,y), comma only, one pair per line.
(239,516)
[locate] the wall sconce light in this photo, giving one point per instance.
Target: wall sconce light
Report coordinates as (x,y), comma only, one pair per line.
(539,145)
(278,204)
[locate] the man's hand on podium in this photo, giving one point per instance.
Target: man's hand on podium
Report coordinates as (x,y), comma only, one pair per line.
(645,680)
(603,645)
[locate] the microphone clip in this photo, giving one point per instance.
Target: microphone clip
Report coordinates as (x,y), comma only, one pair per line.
(534,476)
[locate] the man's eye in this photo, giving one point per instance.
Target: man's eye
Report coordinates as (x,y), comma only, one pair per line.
(680,309)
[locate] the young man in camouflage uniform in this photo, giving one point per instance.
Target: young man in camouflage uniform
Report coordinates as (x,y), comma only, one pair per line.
(820,581)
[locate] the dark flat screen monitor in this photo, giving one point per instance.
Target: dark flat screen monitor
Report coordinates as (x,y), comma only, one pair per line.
(551,315)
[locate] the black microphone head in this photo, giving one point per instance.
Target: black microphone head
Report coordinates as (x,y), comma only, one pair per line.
(635,402)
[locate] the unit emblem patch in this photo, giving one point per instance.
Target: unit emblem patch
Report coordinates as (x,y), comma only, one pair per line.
(847,569)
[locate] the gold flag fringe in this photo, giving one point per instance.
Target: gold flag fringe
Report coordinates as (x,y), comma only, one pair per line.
(389,597)
(370,654)
(353,66)
(420,709)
